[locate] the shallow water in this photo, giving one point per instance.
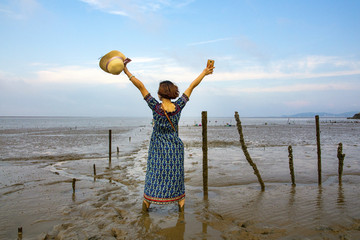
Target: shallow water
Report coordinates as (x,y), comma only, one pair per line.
(40,157)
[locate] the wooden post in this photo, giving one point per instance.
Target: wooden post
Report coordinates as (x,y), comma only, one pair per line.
(94,170)
(73,184)
(20,233)
(247,155)
(205,153)
(291,166)
(109,146)
(118,150)
(341,157)
(318,147)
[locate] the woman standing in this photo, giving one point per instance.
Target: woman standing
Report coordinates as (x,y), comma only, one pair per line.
(164,182)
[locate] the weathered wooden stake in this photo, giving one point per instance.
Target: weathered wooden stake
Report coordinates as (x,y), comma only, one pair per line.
(318,147)
(291,166)
(205,153)
(341,158)
(118,150)
(247,155)
(94,170)
(20,233)
(129,139)
(73,184)
(109,146)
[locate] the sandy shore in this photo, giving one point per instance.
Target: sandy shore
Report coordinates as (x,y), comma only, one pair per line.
(37,195)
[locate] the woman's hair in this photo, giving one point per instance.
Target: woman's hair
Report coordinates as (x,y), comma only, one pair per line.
(168,90)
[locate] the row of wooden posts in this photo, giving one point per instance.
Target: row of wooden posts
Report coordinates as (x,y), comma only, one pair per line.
(340,155)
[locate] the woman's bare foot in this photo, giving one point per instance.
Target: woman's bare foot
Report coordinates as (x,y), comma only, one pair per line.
(181,205)
(145,206)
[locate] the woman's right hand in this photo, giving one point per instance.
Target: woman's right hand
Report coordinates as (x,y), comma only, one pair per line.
(126,61)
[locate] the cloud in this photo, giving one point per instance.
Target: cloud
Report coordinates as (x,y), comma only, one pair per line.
(49,75)
(19,9)
(137,7)
(77,83)
(67,75)
(146,68)
(122,13)
(146,13)
(295,88)
(145,59)
(151,70)
(290,69)
(209,41)
(261,74)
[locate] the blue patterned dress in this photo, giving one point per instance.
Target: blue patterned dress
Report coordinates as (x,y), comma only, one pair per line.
(164,181)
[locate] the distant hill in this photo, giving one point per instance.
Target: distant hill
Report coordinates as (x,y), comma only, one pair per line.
(356,116)
(322,114)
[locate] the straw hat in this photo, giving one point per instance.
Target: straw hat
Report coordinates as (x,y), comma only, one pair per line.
(113,62)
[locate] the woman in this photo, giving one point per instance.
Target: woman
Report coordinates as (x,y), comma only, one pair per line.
(164,182)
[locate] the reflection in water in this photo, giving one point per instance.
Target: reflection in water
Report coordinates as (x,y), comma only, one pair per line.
(174,232)
(206,211)
(292,207)
(204,230)
(206,216)
(319,200)
(258,202)
(340,199)
(319,204)
(110,172)
(292,196)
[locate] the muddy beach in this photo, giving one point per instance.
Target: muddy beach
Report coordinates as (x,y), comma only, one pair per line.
(39,162)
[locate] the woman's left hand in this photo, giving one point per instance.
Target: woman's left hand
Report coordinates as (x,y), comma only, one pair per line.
(208,70)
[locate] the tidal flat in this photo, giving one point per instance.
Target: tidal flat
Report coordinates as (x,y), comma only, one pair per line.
(41,156)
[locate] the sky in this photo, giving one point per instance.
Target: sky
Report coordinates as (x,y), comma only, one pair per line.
(272,58)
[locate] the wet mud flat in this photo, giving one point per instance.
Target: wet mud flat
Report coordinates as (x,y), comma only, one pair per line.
(38,194)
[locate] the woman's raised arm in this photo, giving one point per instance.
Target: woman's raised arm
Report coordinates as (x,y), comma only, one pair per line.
(136,82)
(206,71)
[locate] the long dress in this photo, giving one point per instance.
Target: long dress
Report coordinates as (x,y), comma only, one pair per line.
(164,181)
